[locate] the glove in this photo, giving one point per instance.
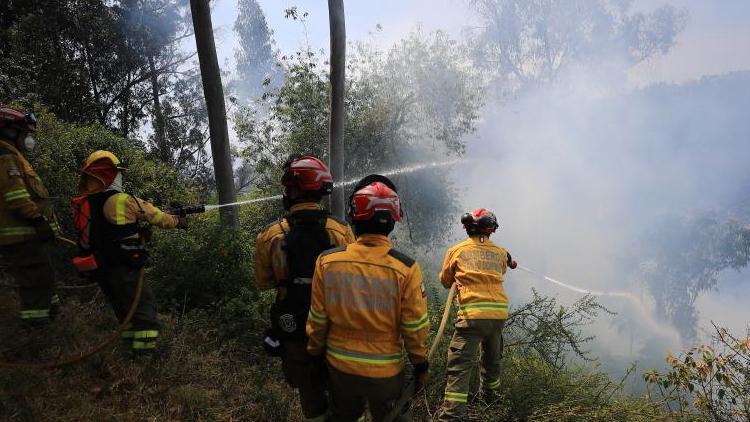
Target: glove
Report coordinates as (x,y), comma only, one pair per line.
(43,229)
(422,375)
(182,223)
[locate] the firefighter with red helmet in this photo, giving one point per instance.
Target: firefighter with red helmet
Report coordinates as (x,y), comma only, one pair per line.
(285,254)
(368,304)
(476,266)
(112,228)
(27,223)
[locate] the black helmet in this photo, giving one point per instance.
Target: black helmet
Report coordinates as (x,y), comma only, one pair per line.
(479,221)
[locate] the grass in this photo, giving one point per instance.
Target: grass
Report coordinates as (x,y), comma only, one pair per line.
(203,374)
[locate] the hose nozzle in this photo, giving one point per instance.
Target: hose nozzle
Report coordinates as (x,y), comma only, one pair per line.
(184,211)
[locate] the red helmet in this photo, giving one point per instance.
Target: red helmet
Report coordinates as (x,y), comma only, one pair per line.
(374,193)
(17,119)
(480,221)
(308,174)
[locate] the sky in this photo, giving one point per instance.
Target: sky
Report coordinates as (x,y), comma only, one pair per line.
(716,40)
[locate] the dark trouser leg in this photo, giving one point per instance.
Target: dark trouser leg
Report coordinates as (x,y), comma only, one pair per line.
(307,378)
(347,396)
(30,264)
(382,395)
(119,284)
(462,356)
(492,353)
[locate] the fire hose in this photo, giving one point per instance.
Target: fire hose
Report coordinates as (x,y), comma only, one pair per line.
(71,360)
(411,388)
(175,210)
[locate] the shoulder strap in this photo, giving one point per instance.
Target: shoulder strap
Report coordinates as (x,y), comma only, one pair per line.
(403,258)
(338,220)
(319,216)
(333,250)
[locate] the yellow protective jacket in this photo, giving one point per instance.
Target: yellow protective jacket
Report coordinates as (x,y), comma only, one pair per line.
(270,258)
(477,267)
(121,209)
(368,304)
(24,197)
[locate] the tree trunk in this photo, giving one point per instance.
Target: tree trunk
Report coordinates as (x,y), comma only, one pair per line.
(159,126)
(336,128)
(217,115)
(125,116)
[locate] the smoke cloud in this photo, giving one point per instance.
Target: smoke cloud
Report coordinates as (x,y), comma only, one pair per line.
(578,172)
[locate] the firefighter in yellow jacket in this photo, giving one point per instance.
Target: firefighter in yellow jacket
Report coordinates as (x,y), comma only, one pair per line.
(112,226)
(27,223)
(368,303)
(285,255)
(477,267)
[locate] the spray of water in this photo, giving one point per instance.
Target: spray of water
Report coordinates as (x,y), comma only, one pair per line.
(249,201)
(394,172)
(644,310)
(578,289)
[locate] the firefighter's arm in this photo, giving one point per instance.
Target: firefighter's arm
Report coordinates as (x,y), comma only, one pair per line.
(13,189)
(415,322)
(511,263)
(264,276)
(447,273)
(317,319)
(146,211)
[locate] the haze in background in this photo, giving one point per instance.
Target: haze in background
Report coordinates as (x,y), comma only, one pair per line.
(581,170)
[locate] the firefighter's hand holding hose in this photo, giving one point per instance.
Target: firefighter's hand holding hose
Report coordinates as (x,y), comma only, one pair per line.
(422,375)
(182,213)
(43,228)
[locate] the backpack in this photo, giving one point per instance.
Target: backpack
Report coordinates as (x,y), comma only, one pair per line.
(98,240)
(305,240)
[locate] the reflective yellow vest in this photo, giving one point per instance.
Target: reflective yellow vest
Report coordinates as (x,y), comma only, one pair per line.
(477,267)
(24,197)
(368,305)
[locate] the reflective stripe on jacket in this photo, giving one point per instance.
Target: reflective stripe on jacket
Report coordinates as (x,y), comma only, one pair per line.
(477,266)
(270,258)
(368,304)
(122,209)
(23,197)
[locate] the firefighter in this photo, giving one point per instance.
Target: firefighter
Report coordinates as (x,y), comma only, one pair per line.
(27,223)
(285,254)
(477,267)
(368,303)
(113,227)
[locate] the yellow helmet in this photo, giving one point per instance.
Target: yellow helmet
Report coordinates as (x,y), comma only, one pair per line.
(98,171)
(102,155)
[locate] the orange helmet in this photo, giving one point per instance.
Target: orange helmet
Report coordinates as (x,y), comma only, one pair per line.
(372,194)
(308,174)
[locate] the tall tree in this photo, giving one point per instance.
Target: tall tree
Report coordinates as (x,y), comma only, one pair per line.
(217,115)
(257,68)
(525,42)
(337,75)
(412,104)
